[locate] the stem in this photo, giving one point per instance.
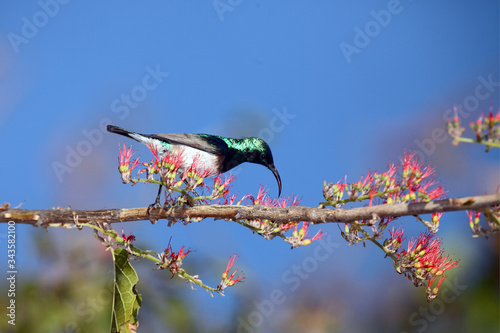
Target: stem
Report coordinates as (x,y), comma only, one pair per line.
(376,242)
(486,143)
(147,255)
(181,272)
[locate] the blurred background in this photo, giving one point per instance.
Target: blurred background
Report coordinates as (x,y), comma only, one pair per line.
(336,88)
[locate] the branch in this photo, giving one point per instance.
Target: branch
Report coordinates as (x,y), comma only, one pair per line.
(55,217)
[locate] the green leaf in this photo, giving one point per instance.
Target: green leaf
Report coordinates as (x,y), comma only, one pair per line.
(126,300)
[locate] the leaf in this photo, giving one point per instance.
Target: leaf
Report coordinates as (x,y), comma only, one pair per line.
(126,300)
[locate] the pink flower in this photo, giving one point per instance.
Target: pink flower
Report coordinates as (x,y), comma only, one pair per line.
(196,173)
(474,217)
(171,260)
(427,260)
(169,165)
(420,180)
(361,187)
(152,148)
(394,242)
(300,236)
(230,280)
(261,195)
(220,188)
(124,162)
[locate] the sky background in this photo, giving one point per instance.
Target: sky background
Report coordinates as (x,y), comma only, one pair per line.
(336,88)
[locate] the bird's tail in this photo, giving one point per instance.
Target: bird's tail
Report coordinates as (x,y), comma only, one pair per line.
(136,136)
(119,130)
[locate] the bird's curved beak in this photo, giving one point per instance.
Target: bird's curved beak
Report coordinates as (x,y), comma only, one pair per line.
(277,175)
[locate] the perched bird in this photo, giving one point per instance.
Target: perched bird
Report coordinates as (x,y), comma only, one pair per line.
(216,153)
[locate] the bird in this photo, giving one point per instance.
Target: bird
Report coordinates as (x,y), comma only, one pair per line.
(216,153)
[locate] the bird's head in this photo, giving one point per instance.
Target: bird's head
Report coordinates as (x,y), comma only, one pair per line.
(260,153)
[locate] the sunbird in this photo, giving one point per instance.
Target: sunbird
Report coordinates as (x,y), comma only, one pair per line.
(215,153)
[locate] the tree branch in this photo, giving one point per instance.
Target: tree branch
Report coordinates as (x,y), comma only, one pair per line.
(44,218)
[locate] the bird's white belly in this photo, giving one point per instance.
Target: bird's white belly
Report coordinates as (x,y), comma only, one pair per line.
(206,160)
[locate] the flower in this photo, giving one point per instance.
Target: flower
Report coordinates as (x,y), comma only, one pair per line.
(261,195)
(220,188)
(425,260)
(416,182)
(334,192)
(439,263)
(300,236)
(435,220)
(128,239)
(474,217)
(485,128)
(360,188)
(394,242)
(230,280)
(124,162)
(264,199)
(420,180)
(171,260)
(168,165)
(196,173)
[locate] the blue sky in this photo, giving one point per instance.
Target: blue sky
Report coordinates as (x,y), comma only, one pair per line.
(335,88)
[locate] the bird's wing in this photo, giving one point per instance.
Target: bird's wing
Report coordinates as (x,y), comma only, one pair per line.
(207,143)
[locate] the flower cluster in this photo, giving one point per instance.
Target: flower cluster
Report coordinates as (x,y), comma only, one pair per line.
(229,280)
(166,165)
(171,260)
(415,182)
(269,229)
(492,216)
(424,262)
(169,168)
(486,129)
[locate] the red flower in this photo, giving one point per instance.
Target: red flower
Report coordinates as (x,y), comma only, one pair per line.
(437,192)
(300,236)
(334,192)
(196,173)
(426,260)
(474,220)
(169,164)
(220,188)
(261,195)
(419,180)
(172,260)
(124,162)
(455,119)
(229,281)
(436,217)
(361,187)
(394,242)
(152,148)
(129,239)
